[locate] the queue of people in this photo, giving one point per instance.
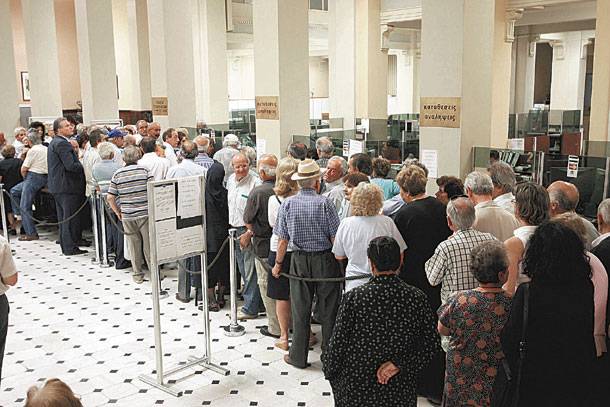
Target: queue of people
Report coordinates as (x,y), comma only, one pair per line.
(441,292)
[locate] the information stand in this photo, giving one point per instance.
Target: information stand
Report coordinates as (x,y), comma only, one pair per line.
(176,225)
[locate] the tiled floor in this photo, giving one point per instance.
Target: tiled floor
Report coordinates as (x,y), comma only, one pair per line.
(92,328)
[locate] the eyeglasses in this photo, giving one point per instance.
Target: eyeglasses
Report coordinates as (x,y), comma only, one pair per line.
(458,196)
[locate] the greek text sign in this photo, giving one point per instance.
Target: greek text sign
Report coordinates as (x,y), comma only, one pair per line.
(440,112)
(268,107)
(159,106)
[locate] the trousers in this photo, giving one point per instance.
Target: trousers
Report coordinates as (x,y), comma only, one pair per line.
(69,232)
(136,233)
(4,310)
(312,265)
(24,194)
(273,325)
(247,269)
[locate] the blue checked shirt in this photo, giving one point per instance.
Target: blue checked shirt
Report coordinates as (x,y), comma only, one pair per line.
(308,221)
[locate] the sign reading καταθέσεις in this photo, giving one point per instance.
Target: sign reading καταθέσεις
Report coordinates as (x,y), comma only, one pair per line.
(440,112)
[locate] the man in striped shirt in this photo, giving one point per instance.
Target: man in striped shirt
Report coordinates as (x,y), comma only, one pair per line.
(128,184)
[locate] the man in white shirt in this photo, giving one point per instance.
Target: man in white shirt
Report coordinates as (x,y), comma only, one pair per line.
(336,169)
(170,142)
(490,218)
(91,158)
(226,153)
(239,186)
(142,127)
(504,180)
(156,166)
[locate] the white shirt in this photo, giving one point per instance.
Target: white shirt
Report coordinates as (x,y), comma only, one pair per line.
(337,195)
(238,192)
(187,168)
(36,160)
(170,154)
(18,148)
(352,241)
(118,155)
(7,265)
(92,157)
(506,201)
(273,208)
(156,165)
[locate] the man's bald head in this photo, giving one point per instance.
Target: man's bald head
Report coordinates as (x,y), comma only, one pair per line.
(564,197)
(203,143)
(267,164)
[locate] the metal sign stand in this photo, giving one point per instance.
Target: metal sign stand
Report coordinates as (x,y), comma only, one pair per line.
(158,380)
(93,200)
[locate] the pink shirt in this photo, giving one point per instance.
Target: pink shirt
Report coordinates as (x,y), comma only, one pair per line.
(599,277)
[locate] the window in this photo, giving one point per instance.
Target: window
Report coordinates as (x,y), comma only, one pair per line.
(318,5)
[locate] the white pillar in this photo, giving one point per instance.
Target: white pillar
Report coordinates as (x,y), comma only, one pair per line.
(281,68)
(9,92)
(568,72)
(156,37)
(97,60)
(43,62)
(464,54)
(211,65)
(405,84)
(139,54)
(600,98)
(525,72)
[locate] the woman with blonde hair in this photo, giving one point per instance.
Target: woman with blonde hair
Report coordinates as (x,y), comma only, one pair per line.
(356,232)
(54,393)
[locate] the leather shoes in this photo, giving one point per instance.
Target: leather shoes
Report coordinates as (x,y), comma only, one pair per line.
(76,252)
(184,300)
(289,361)
(83,242)
(27,238)
(265,331)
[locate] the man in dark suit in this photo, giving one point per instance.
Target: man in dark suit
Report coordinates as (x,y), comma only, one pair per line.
(66,181)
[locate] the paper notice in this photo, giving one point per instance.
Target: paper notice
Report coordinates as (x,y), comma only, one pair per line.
(429,158)
(190,240)
(345,148)
(166,239)
(261,148)
(516,144)
(355,147)
(572,166)
(164,201)
(189,197)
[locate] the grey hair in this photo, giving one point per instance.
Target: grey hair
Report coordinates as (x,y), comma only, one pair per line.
(233,143)
(562,200)
(269,170)
(325,145)
(203,143)
(131,154)
(105,150)
(479,183)
(34,138)
(604,210)
(250,154)
(308,183)
(487,260)
(18,130)
(502,176)
(461,212)
(342,161)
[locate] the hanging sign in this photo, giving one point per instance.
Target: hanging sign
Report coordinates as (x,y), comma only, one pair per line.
(440,112)
(159,106)
(267,107)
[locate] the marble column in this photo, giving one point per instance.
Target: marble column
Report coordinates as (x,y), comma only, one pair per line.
(43,62)
(525,71)
(281,69)
(98,73)
(9,91)
(568,72)
(600,98)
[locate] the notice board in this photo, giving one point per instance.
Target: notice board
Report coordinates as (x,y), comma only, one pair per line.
(440,112)
(267,107)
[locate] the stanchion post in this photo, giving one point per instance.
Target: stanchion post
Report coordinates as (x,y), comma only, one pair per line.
(4,225)
(104,261)
(233,329)
(206,310)
(94,198)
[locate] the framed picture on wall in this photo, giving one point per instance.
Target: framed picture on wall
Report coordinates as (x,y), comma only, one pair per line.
(25,86)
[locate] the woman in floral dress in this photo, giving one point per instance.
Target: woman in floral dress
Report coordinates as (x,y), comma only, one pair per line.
(473,320)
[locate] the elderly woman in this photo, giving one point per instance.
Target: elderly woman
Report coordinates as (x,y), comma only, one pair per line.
(356,232)
(350,181)
(422,222)
(128,186)
(560,350)
(381,169)
(10,175)
(531,209)
(375,361)
(473,320)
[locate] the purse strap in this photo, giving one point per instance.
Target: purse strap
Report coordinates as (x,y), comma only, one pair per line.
(522,342)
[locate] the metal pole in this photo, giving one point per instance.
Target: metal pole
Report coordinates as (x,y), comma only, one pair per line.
(94,198)
(4,225)
(104,262)
(206,310)
(233,329)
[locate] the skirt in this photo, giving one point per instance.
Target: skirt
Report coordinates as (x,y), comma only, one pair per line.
(279,288)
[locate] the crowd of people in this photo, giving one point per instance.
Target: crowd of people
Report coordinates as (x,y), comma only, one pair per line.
(442,293)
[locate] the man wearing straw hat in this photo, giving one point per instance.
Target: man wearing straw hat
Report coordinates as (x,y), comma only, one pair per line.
(309,222)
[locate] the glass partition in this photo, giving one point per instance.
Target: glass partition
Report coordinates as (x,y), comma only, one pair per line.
(527,165)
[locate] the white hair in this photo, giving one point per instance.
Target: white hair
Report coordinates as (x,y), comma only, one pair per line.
(105,150)
(325,145)
(604,210)
(461,212)
(479,183)
(18,130)
(342,161)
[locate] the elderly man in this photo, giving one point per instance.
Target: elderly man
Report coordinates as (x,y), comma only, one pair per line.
(186,168)
(116,137)
(490,218)
(226,153)
(203,146)
(34,171)
(564,197)
(170,142)
(258,234)
(127,196)
(156,166)
(360,162)
(297,150)
(309,222)
(142,128)
(153,130)
(66,181)
(336,169)
(239,187)
(504,180)
(325,148)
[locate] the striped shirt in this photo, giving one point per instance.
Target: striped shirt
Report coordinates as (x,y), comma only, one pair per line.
(204,160)
(129,184)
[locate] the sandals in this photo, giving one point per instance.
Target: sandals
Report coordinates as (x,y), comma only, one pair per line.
(282,344)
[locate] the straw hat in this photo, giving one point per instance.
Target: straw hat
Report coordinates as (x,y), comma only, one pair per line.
(307,169)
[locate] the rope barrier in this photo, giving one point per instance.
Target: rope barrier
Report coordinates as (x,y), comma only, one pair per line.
(42,221)
(116,225)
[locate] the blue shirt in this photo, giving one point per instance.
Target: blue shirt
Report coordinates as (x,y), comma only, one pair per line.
(388,186)
(308,221)
(204,160)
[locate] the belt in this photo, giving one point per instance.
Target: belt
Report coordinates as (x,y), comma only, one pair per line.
(304,253)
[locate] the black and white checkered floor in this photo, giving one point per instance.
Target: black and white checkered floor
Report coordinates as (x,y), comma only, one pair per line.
(92,328)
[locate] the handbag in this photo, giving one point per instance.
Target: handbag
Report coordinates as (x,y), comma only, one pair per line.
(507,383)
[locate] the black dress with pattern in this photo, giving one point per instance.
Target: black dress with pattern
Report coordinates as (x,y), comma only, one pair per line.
(382,320)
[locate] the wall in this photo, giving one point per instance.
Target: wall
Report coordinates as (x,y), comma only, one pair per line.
(544,64)
(21,61)
(406,84)
(121,51)
(318,77)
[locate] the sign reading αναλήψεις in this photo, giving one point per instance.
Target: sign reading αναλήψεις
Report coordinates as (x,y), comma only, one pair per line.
(267,107)
(440,112)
